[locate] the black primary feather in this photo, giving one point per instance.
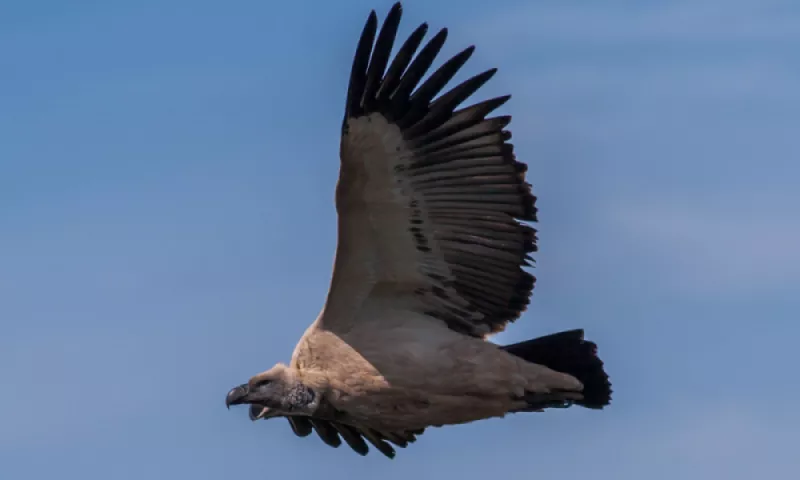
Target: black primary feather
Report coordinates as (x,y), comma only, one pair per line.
(332,432)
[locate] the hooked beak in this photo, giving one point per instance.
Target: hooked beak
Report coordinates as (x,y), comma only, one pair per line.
(237,395)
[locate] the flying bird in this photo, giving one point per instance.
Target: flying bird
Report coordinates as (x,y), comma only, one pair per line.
(434,239)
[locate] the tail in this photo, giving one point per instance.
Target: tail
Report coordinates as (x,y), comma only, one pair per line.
(567,352)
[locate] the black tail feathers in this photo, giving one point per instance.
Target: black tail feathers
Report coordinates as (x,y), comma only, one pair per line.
(567,352)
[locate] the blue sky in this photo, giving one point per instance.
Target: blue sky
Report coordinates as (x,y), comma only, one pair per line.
(167,229)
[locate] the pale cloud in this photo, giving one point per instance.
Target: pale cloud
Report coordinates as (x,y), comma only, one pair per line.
(713,440)
(764,79)
(654,50)
(637,69)
(725,433)
(733,243)
(607,23)
(732,441)
(695,438)
(67,385)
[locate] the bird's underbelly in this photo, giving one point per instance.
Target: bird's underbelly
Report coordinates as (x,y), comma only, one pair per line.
(418,373)
(403,410)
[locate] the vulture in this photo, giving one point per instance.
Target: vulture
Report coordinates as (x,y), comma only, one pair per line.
(434,239)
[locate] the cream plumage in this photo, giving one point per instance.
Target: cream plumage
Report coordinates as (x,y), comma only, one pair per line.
(429,262)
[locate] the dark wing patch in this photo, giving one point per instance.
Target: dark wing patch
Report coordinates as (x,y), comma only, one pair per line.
(329,432)
(332,433)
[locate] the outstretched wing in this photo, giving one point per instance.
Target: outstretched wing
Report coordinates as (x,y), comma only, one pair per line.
(430,197)
(332,433)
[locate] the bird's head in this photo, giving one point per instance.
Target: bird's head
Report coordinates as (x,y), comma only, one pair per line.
(278,391)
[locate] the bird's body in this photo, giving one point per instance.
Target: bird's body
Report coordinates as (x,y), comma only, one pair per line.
(429,262)
(424,374)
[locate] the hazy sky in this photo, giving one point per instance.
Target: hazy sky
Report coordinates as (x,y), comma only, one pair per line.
(167,229)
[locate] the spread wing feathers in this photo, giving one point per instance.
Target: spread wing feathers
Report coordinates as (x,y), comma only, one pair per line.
(430,197)
(332,433)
